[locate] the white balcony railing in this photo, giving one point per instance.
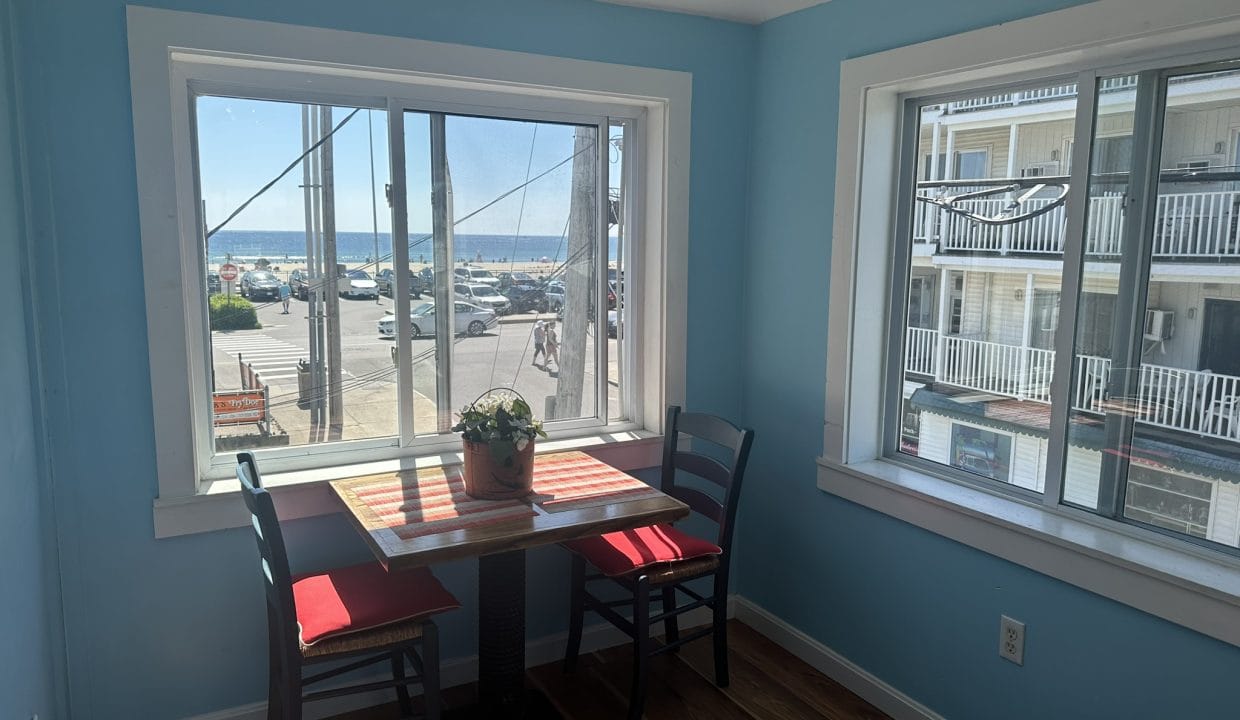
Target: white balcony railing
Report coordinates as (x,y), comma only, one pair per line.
(1202,225)
(1105,85)
(1195,401)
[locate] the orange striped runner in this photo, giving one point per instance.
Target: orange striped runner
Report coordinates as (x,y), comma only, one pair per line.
(572,480)
(427,502)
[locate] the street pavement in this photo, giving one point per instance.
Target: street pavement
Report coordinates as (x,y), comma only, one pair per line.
(501,357)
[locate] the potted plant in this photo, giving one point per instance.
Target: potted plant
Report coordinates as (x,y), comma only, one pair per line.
(498,430)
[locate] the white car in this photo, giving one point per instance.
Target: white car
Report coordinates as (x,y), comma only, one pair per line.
(483,296)
(475,275)
(470,320)
(358,284)
(555,295)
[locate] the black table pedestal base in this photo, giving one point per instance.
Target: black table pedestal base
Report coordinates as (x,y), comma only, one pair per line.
(501,644)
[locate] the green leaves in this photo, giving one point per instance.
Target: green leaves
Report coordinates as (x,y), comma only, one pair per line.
(506,422)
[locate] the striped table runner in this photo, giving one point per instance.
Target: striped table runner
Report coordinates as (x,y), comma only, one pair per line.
(427,502)
(572,480)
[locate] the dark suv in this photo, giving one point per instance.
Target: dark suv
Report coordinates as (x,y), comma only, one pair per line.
(260,284)
(386,278)
(299,283)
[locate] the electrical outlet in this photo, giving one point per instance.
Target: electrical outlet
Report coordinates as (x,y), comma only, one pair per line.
(1011,640)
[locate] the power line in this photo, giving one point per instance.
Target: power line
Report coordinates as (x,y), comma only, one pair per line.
(279,177)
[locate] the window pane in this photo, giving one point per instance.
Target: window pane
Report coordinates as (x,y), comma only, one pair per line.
(525,264)
(984,288)
(618,239)
(315,372)
(1091,413)
(1160,445)
(1184,464)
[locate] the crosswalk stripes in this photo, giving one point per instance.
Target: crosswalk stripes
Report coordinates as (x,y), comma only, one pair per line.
(272,359)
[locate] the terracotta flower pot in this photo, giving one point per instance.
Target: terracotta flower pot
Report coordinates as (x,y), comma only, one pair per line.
(500,472)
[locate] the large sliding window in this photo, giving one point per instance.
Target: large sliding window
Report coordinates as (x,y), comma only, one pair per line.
(495,237)
(1080,345)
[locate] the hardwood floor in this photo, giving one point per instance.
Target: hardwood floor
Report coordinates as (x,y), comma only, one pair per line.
(767,683)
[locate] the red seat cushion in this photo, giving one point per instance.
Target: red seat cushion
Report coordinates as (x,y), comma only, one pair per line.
(362,597)
(622,552)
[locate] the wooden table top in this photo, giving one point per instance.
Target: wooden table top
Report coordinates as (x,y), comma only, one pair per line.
(421,517)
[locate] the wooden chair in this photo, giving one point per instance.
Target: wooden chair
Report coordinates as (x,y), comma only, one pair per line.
(659,560)
(339,614)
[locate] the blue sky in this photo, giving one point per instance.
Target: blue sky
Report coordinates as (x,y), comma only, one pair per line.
(243,144)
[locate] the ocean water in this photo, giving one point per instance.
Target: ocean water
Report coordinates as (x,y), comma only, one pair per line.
(352,247)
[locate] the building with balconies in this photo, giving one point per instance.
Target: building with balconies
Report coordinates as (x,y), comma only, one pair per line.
(984,299)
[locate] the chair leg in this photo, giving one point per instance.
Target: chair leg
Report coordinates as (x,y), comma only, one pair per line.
(430,671)
(671,628)
(275,698)
(402,691)
(641,648)
(576,612)
(719,623)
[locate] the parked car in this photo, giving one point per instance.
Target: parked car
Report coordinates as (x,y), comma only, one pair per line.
(612,320)
(510,279)
(357,284)
(475,275)
(555,296)
(482,295)
(386,280)
(299,283)
(260,284)
(470,320)
(213,282)
(526,298)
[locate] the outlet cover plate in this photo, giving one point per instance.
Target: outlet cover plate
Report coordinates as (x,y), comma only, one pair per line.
(1011,640)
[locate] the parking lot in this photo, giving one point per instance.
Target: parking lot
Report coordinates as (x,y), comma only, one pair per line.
(500,357)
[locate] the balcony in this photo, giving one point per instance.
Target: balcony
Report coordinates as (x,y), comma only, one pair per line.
(1105,85)
(1200,402)
(1200,225)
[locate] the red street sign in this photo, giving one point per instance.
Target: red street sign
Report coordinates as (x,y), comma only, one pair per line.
(228,272)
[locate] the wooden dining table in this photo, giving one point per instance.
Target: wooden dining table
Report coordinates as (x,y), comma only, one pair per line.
(420,517)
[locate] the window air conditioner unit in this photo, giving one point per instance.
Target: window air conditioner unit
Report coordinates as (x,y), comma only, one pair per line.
(1042,169)
(1159,325)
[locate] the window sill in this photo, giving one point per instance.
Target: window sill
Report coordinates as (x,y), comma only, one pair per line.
(305,493)
(1193,587)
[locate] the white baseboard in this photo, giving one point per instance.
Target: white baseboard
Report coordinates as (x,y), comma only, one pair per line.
(830,663)
(459,671)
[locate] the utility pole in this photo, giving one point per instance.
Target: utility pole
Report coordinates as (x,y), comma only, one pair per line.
(445,305)
(578,288)
(335,394)
(310,199)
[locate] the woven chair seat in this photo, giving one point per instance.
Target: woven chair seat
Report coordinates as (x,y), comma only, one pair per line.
(364,640)
(679,570)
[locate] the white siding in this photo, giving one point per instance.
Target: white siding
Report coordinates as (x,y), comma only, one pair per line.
(1028,462)
(1225,514)
(934,442)
(974,311)
(1080,484)
(1194,134)
(1036,141)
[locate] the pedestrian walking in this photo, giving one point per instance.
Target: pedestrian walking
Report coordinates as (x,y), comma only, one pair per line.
(552,345)
(285,293)
(540,337)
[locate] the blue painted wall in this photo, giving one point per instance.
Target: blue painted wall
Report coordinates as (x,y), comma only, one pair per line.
(917,610)
(26,682)
(175,627)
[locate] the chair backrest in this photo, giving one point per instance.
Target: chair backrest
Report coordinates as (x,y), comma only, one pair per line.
(273,560)
(728,476)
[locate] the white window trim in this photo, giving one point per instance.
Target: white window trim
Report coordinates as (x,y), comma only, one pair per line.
(349,63)
(1186,584)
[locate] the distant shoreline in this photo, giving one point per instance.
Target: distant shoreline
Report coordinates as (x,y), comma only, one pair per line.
(288,247)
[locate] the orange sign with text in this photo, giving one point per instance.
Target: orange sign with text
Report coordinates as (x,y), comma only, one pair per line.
(239,407)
